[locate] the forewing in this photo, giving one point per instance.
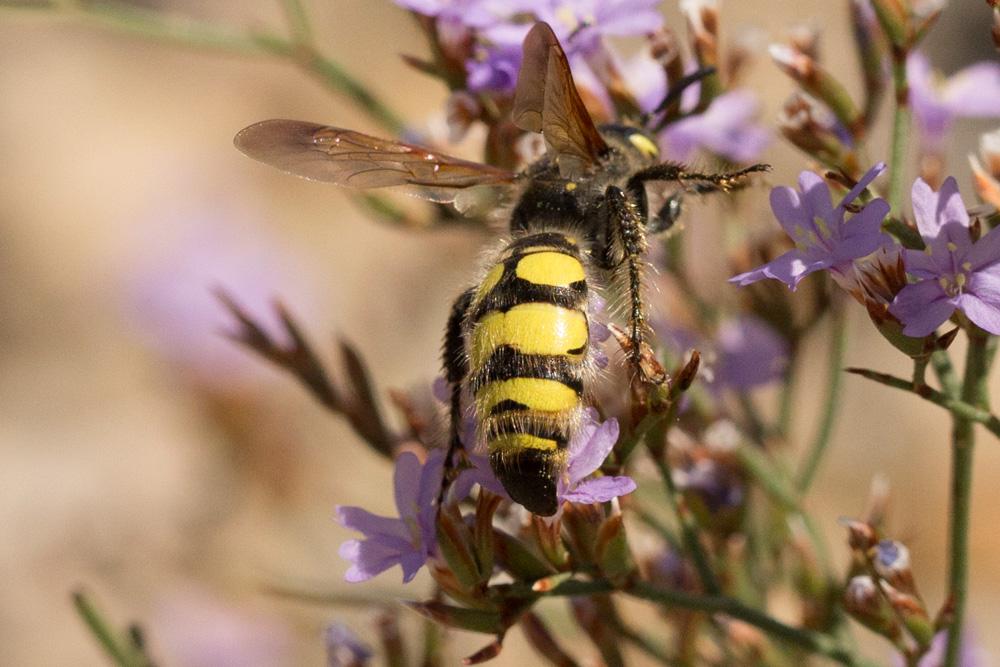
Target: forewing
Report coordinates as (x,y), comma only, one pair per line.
(546,101)
(356,160)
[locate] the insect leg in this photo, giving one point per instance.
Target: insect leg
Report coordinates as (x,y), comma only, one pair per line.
(699,184)
(456,368)
(625,229)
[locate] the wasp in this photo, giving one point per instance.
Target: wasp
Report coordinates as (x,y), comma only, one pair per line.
(518,342)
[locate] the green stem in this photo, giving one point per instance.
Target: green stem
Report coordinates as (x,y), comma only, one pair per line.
(835,361)
(204,35)
(974,392)
(958,408)
(787,401)
(900,132)
(121,652)
(945,371)
(689,531)
(814,642)
(298,21)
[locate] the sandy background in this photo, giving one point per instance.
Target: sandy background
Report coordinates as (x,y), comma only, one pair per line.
(144,458)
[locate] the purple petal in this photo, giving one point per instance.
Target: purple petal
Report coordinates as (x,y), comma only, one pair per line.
(986,251)
(867,223)
(922,308)
(815,197)
(789,268)
(600,490)
(370,524)
(922,265)
(406,484)
(981,300)
(585,459)
(369,558)
(788,208)
(933,116)
(974,91)
(863,183)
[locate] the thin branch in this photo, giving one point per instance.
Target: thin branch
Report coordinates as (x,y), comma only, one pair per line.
(838,336)
(955,406)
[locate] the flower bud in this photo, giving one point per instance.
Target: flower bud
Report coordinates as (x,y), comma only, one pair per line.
(612,550)
(860,536)
(816,80)
(891,561)
(874,282)
(549,540)
(805,39)
(703,24)
(457,547)
(515,558)
(986,175)
(812,129)
(582,523)
(871,51)
(866,604)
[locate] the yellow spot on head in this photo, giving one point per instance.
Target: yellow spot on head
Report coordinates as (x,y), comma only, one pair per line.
(530,328)
(536,393)
(550,268)
(570,186)
(644,144)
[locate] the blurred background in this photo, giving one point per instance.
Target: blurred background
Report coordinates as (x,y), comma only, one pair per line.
(147,459)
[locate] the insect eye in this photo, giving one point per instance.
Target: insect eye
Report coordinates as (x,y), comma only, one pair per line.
(644,144)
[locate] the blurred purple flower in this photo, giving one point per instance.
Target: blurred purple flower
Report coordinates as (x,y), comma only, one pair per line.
(344,648)
(744,353)
(587,451)
(480,473)
(823,239)
(407,541)
(714,484)
(952,272)
(495,71)
(180,258)
(194,628)
(580,24)
(751,353)
(973,92)
(727,128)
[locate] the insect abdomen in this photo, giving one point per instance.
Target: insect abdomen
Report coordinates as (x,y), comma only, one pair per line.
(528,335)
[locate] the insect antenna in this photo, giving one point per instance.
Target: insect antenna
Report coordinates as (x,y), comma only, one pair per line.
(673,96)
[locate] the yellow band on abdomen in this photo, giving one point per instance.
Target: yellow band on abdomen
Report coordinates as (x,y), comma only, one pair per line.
(515,442)
(550,268)
(533,393)
(530,328)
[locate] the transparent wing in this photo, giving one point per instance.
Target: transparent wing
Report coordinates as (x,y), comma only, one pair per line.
(356,160)
(546,101)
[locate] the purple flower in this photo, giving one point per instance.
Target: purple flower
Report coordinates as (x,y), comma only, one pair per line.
(745,352)
(196,628)
(823,239)
(751,353)
(344,648)
(407,541)
(972,92)
(727,128)
(495,71)
(580,24)
(587,451)
(952,272)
